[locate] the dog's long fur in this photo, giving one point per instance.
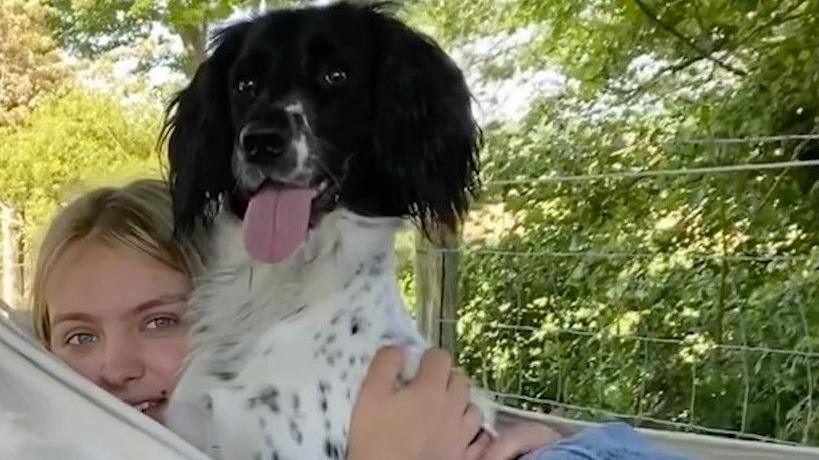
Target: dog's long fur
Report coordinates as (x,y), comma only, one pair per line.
(383,115)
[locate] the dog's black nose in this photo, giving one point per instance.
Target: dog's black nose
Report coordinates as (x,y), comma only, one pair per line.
(262,143)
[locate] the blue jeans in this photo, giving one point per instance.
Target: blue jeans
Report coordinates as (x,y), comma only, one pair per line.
(616,441)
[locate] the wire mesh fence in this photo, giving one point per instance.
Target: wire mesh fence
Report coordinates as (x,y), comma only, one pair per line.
(686,298)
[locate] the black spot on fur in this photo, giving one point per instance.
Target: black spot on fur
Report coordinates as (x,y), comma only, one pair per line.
(224,376)
(295,433)
(344,376)
(269,397)
(324,386)
(378,264)
(332,450)
(296,402)
(352,360)
(386,337)
(317,335)
(330,339)
(323,404)
(355,325)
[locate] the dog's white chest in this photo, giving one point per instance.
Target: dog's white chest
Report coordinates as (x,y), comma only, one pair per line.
(285,388)
(294,396)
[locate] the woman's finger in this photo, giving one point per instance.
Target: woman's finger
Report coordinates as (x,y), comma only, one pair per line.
(459,390)
(434,369)
(478,448)
(471,424)
(385,370)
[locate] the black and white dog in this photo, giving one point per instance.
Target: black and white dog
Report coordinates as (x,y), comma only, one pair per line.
(306,139)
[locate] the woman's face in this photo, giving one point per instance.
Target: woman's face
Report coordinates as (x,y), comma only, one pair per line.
(117,318)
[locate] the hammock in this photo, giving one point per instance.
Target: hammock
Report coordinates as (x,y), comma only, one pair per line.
(47,411)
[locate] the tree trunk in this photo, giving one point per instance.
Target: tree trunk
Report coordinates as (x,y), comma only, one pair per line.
(194,41)
(9,261)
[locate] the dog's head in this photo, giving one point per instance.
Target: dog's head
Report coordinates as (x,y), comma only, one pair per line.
(340,105)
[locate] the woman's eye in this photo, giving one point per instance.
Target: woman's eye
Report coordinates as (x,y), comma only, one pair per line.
(80,339)
(161,323)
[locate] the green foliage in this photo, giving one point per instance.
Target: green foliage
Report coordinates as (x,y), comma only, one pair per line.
(589,267)
(68,143)
(638,296)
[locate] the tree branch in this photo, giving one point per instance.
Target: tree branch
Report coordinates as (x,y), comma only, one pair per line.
(773,22)
(706,54)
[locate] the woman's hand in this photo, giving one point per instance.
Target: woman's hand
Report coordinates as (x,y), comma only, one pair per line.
(430,418)
(519,440)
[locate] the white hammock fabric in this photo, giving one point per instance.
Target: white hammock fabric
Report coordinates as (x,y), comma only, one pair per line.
(47,411)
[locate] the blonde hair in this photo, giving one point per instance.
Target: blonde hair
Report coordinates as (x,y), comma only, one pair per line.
(138,215)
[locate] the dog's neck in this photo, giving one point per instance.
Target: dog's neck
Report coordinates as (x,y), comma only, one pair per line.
(343,246)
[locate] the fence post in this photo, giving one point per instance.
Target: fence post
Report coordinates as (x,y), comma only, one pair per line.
(436,288)
(8,257)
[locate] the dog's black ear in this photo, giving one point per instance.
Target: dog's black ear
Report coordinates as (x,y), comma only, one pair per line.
(200,135)
(426,138)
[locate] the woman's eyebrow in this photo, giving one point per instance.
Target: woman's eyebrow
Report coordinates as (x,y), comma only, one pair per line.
(61,317)
(166,299)
(161,300)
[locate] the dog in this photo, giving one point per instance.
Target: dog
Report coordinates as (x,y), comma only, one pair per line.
(303,143)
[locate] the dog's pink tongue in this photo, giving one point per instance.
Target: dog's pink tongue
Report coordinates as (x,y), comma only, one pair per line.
(276,222)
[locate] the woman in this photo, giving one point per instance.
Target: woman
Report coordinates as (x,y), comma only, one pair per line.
(109,298)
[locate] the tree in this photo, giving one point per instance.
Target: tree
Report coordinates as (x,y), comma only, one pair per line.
(69,142)
(91,27)
(758,45)
(29,62)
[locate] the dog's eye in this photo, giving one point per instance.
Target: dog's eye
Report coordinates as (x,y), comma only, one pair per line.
(246,86)
(334,78)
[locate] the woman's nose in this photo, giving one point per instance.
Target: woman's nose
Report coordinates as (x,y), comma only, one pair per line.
(122,363)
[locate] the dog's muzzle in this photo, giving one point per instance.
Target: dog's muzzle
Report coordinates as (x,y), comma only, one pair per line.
(265,140)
